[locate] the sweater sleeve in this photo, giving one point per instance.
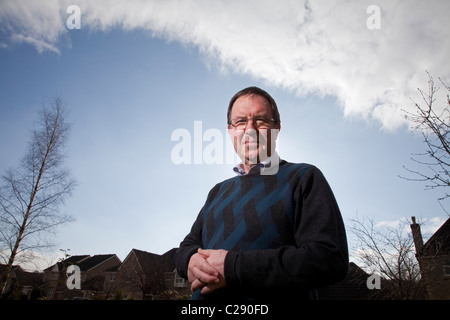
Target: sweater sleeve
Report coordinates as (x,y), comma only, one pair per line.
(189,246)
(319,256)
(192,242)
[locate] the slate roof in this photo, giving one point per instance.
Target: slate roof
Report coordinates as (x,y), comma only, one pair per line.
(85,262)
(70,260)
(353,287)
(152,262)
(439,243)
(3,267)
(88,264)
(147,260)
(25,278)
(168,258)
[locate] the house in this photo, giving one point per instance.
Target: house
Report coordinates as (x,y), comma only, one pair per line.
(91,276)
(176,286)
(353,287)
(143,276)
(434,260)
(22,284)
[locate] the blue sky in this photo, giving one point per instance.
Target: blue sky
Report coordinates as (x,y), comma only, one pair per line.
(133,74)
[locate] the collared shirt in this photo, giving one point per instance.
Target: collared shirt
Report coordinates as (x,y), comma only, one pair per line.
(259,168)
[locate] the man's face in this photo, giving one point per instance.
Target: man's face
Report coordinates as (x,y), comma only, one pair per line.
(251,143)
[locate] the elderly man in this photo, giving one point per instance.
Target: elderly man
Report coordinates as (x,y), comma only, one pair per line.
(274,231)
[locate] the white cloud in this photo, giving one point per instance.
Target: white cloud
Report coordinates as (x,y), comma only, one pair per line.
(34,22)
(40,44)
(319,47)
(428,226)
(393,224)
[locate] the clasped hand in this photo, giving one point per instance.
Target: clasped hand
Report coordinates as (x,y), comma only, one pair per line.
(206,270)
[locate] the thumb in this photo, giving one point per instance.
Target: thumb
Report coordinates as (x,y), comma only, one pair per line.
(203,252)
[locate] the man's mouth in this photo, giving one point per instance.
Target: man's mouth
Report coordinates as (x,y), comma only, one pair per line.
(251,144)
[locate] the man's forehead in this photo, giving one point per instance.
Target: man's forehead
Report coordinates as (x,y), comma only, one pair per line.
(251,103)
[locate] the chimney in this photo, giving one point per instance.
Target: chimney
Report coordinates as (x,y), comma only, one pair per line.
(417,235)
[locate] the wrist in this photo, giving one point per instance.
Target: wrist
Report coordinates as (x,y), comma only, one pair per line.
(230,268)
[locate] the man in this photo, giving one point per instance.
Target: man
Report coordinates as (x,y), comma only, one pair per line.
(272,232)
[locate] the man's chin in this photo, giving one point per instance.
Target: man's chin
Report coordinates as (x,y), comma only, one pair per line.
(252,159)
(252,156)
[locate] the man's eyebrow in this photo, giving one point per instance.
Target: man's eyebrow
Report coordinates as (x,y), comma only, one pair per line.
(255,116)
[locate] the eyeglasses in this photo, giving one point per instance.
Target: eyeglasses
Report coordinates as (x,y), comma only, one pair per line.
(258,123)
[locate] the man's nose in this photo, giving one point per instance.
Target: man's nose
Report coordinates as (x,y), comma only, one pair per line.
(250,131)
(249,125)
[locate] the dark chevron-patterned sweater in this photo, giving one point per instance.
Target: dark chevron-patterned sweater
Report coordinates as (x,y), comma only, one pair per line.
(284,234)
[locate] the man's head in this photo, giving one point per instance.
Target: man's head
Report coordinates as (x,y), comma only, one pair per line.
(253,125)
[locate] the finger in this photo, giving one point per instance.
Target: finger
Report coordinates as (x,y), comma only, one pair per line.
(199,268)
(203,252)
(205,267)
(208,288)
(198,261)
(197,284)
(204,276)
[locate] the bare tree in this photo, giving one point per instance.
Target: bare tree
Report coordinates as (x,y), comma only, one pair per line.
(388,251)
(434,124)
(150,280)
(31,194)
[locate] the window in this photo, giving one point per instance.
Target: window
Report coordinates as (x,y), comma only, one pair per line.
(50,293)
(447,268)
(179,282)
(129,276)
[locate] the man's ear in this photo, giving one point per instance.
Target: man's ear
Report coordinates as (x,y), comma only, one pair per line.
(275,131)
(278,126)
(230,131)
(231,134)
